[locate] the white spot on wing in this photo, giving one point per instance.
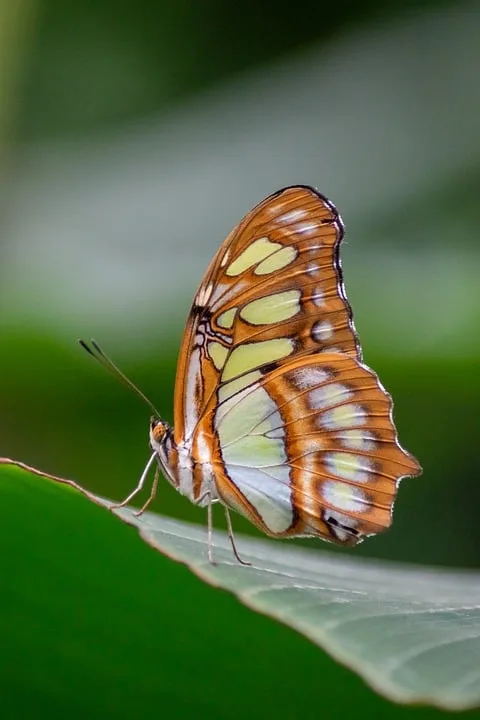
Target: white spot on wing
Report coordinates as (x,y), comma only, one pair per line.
(276,208)
(348,466)
(292,216)
(305,378)
(313,268)
(322,330)
(331,349)
(328,396)
(344,497)
(344,416)
(318,297)
(307,227)
(357,440)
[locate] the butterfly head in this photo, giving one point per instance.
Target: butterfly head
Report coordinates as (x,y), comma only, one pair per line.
(159,431)
(162,443)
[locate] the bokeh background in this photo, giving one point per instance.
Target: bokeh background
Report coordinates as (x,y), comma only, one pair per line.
(133,136)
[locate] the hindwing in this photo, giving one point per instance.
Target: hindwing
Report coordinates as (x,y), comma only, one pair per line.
(310,449)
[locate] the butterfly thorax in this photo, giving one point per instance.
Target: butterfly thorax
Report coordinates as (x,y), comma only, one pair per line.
(193,479)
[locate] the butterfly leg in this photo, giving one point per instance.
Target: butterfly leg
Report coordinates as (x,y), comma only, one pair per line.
(153,492)
(208,496)
(209,531)
(140,484)
(231,537)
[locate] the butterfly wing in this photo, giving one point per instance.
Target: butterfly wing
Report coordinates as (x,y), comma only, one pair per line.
(310,449)
(272,396)
(274,290)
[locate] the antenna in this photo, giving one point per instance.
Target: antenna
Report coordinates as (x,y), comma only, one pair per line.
(100,356)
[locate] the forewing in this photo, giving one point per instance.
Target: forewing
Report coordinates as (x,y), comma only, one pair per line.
(310,448)
(273,292)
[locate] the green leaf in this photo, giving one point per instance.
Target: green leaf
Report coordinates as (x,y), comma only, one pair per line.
(413,633)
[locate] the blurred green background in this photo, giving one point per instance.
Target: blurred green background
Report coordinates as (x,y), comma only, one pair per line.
(133,136)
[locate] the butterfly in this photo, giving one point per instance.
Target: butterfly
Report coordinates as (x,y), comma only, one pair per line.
(276,415)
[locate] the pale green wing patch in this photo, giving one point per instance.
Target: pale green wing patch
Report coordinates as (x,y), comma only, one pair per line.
(256,462)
